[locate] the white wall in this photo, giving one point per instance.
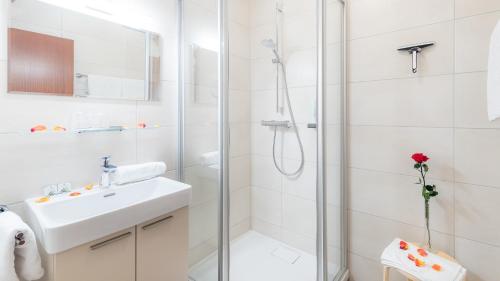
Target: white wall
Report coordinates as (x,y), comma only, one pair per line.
(440,111)
(30,161)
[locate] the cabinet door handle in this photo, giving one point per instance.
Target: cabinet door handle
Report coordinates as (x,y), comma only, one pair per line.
(153,224)
(110,241)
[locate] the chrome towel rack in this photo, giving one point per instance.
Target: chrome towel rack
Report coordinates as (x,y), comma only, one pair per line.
(19,238)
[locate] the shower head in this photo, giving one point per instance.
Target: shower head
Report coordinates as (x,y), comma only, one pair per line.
(268,43)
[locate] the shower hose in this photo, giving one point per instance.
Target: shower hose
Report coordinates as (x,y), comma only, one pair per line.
(296,130)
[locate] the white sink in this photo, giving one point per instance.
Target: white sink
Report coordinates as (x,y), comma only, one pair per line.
(65,222)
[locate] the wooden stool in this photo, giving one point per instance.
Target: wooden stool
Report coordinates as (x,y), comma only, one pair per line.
(409,277)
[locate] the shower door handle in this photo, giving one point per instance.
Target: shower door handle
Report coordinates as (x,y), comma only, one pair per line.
(312,126)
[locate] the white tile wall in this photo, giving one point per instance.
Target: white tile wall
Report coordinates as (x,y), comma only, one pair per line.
(440,111)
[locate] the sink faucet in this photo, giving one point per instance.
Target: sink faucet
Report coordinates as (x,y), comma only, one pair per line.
(107,170)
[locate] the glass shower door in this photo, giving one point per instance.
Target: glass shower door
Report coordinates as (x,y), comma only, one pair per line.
(200,155)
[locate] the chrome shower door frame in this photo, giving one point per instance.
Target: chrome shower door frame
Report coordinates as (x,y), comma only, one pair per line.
(321,144)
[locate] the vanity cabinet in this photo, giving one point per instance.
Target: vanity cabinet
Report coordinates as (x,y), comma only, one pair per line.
(162,248)
(109,259)
(155,250)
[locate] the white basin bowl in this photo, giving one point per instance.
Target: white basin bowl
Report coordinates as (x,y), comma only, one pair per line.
(66,222)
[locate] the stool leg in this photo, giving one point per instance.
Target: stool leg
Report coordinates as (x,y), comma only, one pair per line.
(386,273)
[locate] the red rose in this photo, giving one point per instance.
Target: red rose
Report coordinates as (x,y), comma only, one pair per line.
(419,157)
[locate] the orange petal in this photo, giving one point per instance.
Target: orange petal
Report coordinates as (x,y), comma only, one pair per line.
(436,267)
(73,194)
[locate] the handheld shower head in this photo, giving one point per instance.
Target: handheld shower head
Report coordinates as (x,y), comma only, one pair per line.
(268,43)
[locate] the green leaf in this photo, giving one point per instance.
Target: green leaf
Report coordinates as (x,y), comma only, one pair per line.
(426,168)
(429,187)
(417,166)
(434,193)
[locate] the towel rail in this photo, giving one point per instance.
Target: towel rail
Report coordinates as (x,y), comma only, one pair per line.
(19,238)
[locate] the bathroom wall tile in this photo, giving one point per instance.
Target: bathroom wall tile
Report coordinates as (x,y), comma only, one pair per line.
(3,79)
(402,199)
(239,174)
(296,207)
(262,12)
(465,8)
(263,106)
(301,242)
(262,140)
(268,229)
(304,185)
(239,104)
(473,34)
(477,213)
(204,187)
(476,155)
(264,174)
(239,79)
(401,102)
(303,104)
(239,229)
(199,139)
(267,205)
(200,26)
(334,104)
(240,205)
(297,7)
(390,148)
(375,17)
(299,31)
(161,112)
(239,36)
(289,148)
(480,260)
(371,234)
(238,11)
(301,68)
(376,58)
(470,101)
(364,269)
(263,75)
(35,14)
(240,141)
(202,223)
(158,144)
(77,160)
(169,54)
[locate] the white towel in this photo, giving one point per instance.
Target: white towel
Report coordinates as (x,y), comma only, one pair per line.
(140,172)
(24,259)
(395,257)
(494,76)
(210,158)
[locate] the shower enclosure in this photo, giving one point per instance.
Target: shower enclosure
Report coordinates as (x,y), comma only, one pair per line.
(261,138)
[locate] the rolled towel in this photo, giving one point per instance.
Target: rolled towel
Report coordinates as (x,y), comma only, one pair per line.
(398,258)
(140,172)
(210,158)
(18,261)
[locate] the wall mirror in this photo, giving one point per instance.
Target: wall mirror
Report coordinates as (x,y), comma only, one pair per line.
(53,50)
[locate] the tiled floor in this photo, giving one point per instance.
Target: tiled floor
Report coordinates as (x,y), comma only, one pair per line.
(258,257)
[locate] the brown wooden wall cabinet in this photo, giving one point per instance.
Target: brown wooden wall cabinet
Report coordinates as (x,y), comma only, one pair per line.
(39,63)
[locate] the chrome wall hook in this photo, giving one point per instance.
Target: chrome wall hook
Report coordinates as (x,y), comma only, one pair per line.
(414,50)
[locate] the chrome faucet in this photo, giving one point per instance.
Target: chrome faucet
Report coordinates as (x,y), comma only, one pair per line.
(107,170)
